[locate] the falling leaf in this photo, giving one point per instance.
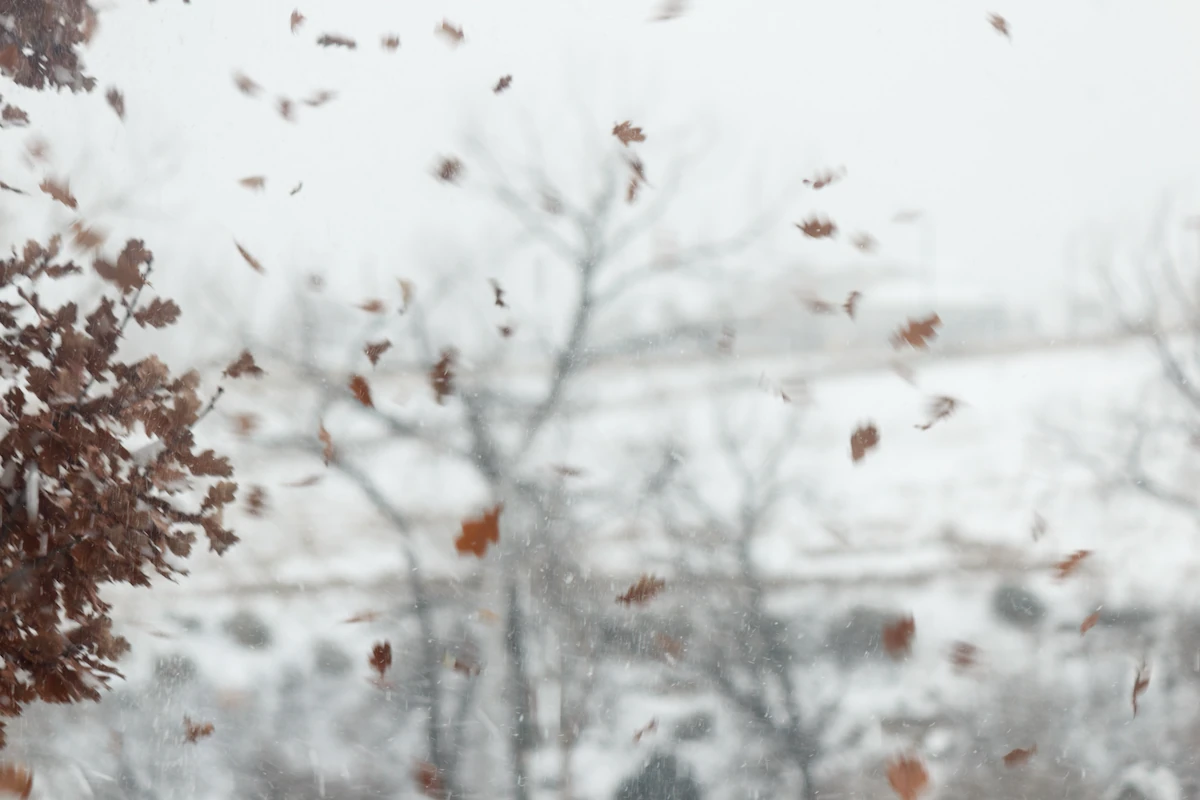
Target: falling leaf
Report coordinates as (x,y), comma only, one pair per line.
(245,84)
(407,290)
(917,333)
(60,192)
(502,84)
(479,532)
(498,293)
(1019,757)
(13,116)
(297,20)
(256,501)
(1071,563)
(1141,682)
(391,42)
(363,616)
(299,186)
(8,188)
(326,440)
(361,390)
(627,133)
(320,98)
(429,780)
(823,179)
(376,349)
(381,658)
(10,59)
(286,108)
(255,182)
(441,375)
(449,169)
(864,438)
(455,35)
(243,365)
(864,242)
(86,238)
(373,306)
(817,228)
(16,780)
(631,191)
(303,483)
(851,304)
(245,424)
(907,777)
(461,664)
(642,592)
(1089,622)
(1001,25)
(506,331)
(158,313)
(251,260)
(1038,528)
(818,306)
(940,408)
(649,727)
(116,100)
(898,636)
(964,655)
(337,40)
(195,731)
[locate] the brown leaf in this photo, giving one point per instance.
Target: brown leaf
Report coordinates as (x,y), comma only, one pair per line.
(453,34)
(898,636)
(363,616)
(1001,25)
(13,116)
(817,228)
(819,306)
(361,390)
(243,365)
(498,293)
(864,438)
(631,191)
(823,179)
(391,42)
(502,84)
(1071,563)
(298,187)
(320,98)
(407,291)
(286,108)
(441,375)
(462,664)
(917,333)
(1089,622)
(429,780)
(127,273)
(381,658)
(311,480)
(449,170)
(864,242)
(964,655)
(195,731)
(627,133)
(116,100)
(373,306)
(86,238)
(376,349)
(245,424)
(297,20)
(479,532)
(649,727)
(256,501)
(940,408)
(642,592)
(851,304)
(16,780)
(337,40)
(1141,682)
(255,182)
(60,192)
(1019,757)
(326,440)
(506,331)
(251,260)
(245,84)
(907,777)
(158,313)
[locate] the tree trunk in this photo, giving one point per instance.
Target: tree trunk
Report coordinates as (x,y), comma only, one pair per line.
(522,724)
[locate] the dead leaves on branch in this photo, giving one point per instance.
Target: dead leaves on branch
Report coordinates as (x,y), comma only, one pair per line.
(907,777)
(479,532)
(627,133)
(297,20)
(243,365)
(60,192)
(917,333)
(646,589)
(817,228)
(116,101)
(864,439)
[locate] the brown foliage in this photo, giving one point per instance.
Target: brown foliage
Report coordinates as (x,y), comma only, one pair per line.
(251,260)
(626,132)
(441,375)
(917,333)
(497,294)
(39,44)
(376,349)
(817,228)
(361,390)
(502,84)
(1089,622)
(1141,682)
(15,780)
(479,532)
(381,658)
(327,441)
(1018,757)
(825,177)
(898,636)
(320,98)
(244,365)
(454,34)
(1071,563)
(907,777)
(245,84)
(940,408)
(449,170)
(255,182)
(851,304)
(429,780)
(94,512)
(60,192)
(391,43)
(195,731)
(116,100)
(649,727)
(864,438)
(256,501)
(1001,25)
(297,20)
(646,589)
(964,655)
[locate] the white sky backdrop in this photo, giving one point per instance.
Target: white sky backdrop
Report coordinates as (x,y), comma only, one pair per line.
(1088,115)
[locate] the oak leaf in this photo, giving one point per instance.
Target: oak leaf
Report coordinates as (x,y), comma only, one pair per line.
(642,592)
(246,85)
(502,84)
(243,365)
(626,133)
(1089,622)
(337,40)
(1141,682)
(297,20)
(1001,25)
(85,237)
(256,501)
(851,304)
(817,228)
(453,34)
(15,780)
(361,390)
(441,375)
(376,349)
(195,731)
(449,170)
(1018,757)
(158,313)
(1071,563)
(864,438)
(60,192)
(940,408)
(479,532)
(116,100)
(251,260)
(380,659)
(898,636)
(127,274)
(917,332)
(907,777)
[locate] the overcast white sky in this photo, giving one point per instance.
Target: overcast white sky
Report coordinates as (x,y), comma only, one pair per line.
(1088,115)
